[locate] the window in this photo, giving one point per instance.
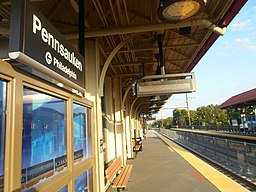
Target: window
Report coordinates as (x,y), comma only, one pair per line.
(3,98)
(80,132)
(43,136)
(81,183)
(64,189)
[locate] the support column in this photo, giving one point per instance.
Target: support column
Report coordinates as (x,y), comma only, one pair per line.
(132,123)
(120,139)
(92,81)
(128,129)
(125,122)
(109,117)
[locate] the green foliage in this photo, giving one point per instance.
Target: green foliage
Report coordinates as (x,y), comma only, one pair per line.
(182,115)
(165,122)
(233,114)
(205,115)
(210,115)
(157,123)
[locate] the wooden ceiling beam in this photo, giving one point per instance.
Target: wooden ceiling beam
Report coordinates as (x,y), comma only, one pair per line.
(148,62)
(140,74)
(134,49)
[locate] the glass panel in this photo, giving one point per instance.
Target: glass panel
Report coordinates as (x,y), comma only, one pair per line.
(80,135)
(89,132)
(64,189)
(43,136)
(3,98)
(81,183)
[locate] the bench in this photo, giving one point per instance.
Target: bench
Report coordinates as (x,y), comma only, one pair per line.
(118,175)
(137,148)
(138,145)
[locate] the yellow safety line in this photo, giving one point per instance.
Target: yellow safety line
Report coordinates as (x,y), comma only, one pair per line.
(221,181)
(171,149)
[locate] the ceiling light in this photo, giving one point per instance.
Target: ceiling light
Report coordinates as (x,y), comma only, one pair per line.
(74,91)
(153,106)
(178,10)
(60,84)
(155,98)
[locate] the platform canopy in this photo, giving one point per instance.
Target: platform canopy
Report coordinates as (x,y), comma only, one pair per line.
(159,36)
(243,99)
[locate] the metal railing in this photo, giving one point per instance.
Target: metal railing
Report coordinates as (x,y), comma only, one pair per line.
(236,156)
(224,128)
(1,183)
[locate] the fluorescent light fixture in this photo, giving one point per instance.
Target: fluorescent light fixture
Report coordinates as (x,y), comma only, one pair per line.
(74,91)
(155,98)
(60,84)
(79,94)
(153,106)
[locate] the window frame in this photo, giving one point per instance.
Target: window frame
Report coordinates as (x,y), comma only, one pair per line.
(9,84)
(18,79)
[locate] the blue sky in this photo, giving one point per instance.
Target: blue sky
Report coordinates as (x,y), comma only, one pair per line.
(227,69)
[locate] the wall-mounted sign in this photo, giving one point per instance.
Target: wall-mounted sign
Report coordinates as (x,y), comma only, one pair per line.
(35,42)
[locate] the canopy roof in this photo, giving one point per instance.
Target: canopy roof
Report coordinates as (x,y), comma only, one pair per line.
(242,99)
(111,22)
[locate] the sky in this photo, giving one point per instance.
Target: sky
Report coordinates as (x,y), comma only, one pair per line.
(227,69)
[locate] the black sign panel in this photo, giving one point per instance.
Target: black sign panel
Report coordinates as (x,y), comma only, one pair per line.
(32,35)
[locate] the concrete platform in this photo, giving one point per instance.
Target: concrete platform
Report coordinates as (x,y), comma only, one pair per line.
(163,166)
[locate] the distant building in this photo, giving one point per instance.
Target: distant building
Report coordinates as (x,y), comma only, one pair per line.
(245,103)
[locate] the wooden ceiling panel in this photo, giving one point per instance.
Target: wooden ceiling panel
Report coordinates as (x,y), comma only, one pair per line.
(112,21)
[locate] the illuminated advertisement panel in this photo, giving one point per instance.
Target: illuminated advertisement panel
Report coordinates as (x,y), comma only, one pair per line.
(44,152)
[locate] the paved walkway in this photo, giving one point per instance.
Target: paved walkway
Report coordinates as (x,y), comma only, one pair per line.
(158,168)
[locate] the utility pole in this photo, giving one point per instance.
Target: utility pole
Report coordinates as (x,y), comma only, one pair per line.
(189,121)
(162,119)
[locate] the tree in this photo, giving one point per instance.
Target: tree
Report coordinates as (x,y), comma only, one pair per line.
(180,117)
(205,115)
(210,115)
(157,123)
(167,123)
(193,117)
(233,114)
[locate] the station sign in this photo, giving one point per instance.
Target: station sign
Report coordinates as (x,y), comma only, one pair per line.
(35,42)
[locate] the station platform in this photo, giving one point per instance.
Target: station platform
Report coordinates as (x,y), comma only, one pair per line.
(163,166)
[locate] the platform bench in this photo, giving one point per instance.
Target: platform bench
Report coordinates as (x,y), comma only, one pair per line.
(137,148)
(118,175)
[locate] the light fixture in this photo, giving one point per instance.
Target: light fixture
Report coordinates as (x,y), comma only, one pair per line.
(74,91)
(155,98)
(153,106)
(133,89)
(178,10)
(60,84)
